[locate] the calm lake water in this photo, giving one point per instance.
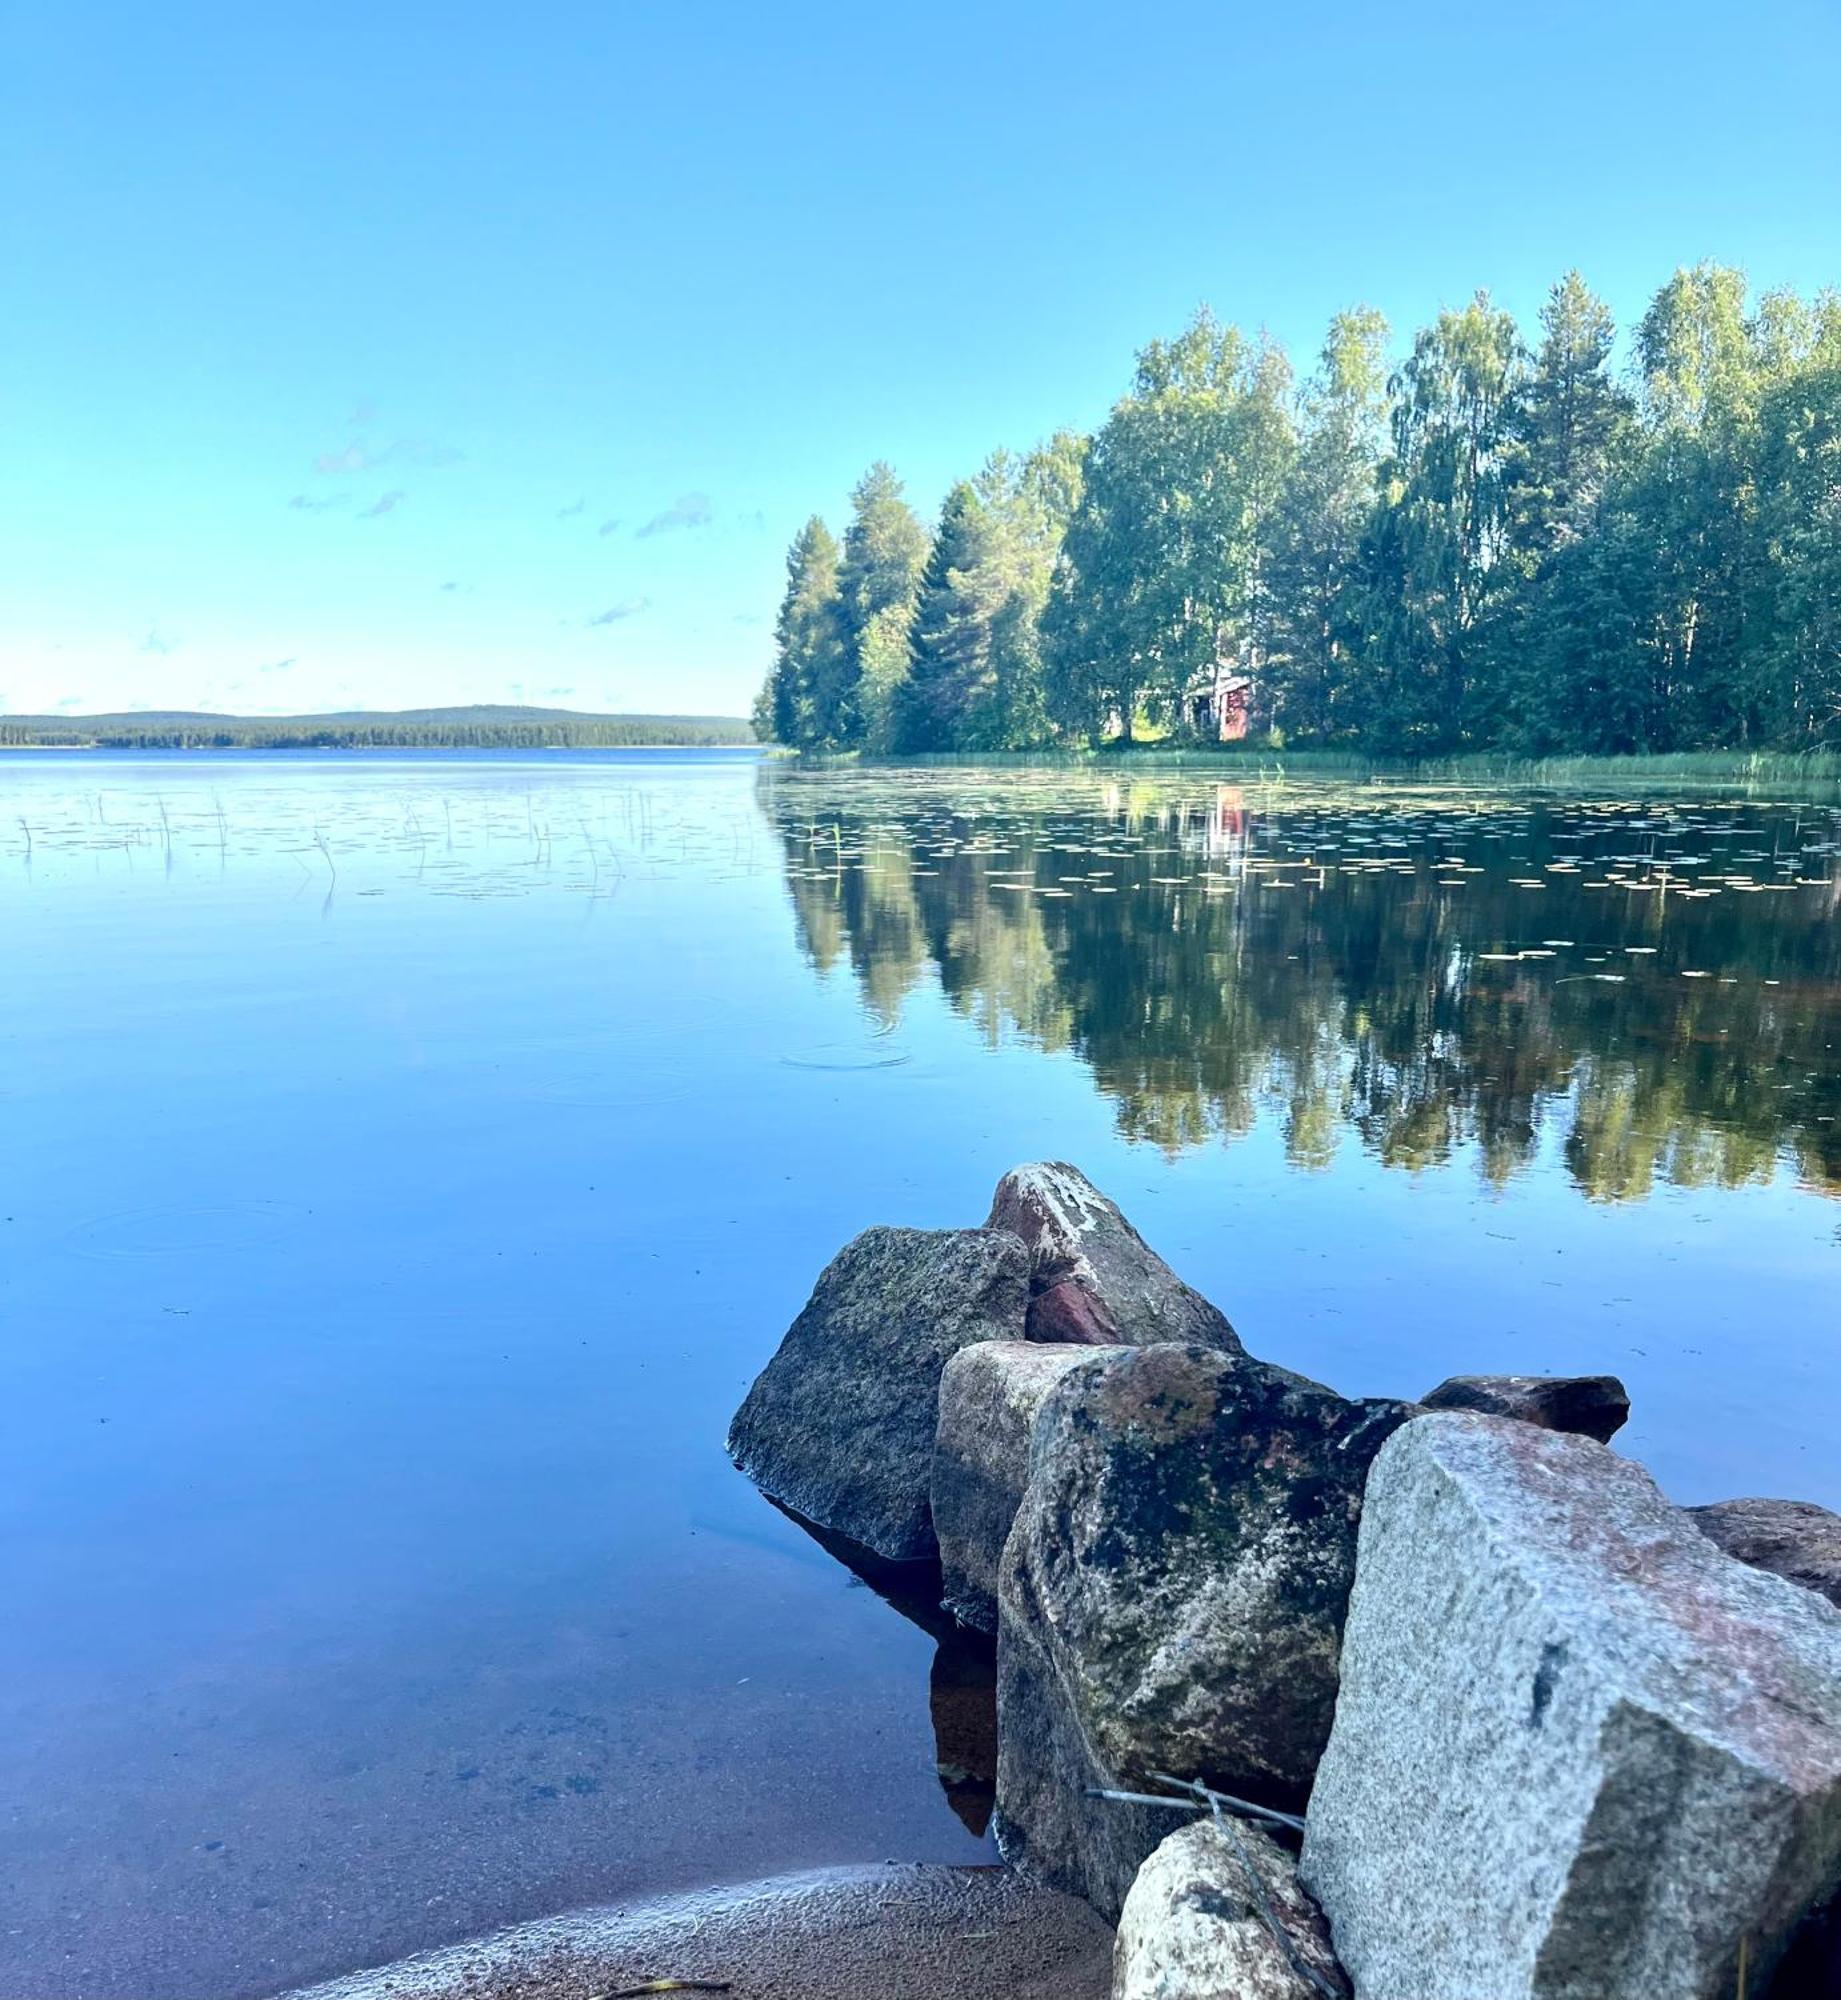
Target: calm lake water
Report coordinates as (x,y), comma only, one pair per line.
(405,1166)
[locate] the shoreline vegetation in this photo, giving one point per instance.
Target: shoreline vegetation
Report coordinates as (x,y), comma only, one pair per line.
(1545,542)
(1261,763)
(484,727)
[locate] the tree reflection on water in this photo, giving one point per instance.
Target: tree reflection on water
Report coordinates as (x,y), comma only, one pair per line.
(1424,967)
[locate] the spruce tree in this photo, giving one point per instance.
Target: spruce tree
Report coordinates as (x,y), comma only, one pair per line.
(885,547)
(949,639)
(808,641)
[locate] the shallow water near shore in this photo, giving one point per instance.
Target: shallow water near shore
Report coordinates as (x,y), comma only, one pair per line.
(406,1164)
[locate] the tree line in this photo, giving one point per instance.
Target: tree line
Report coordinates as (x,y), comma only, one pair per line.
(1497,541)
(425,729)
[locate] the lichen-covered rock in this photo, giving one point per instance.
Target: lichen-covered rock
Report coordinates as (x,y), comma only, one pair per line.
(1094,1280)
(1579,1753)
(839,1424)
(1192,1928)
(1171,1598)
(1794,1539)
(1595,1406)
(989,1399)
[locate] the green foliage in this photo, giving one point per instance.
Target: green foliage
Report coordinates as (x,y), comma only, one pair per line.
(1167,559)
(1494,547)
(885,548)
(805,685)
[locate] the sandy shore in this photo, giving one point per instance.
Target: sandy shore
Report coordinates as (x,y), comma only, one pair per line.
(883,1933)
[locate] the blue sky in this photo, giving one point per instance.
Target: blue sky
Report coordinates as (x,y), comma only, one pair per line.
(359,356)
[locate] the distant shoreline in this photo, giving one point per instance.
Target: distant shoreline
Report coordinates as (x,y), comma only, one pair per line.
(467,728)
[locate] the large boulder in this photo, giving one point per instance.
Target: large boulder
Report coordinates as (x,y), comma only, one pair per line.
(1595,1406)
(1578,1751)
(1093,1279)
(1794,1539)
(839,1424)
(989,1398)
(1171,1598)
(1195,1927)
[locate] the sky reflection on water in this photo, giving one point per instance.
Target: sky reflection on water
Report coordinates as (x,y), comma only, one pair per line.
(406,1164)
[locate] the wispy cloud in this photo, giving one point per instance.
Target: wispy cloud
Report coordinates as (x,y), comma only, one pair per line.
(423,453)
(609,527)
(749,618)
(574,508)
(385,503)
(277,666)
(451,586)
(306,503)
(629,607)
(157,641)
(689,510)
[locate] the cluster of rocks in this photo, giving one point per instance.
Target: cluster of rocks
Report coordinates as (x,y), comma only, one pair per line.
(1544,1733)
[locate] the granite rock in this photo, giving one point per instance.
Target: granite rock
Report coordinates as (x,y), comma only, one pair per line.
(990,1395)
(1093,1279)
(1192,1927)
(1579,1753)
(839,1425)
(1595,1406)
(1171,1598)
(1794,1539)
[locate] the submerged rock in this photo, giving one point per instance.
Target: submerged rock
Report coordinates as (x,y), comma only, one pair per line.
(839,1425)
(1793,1539)
(1595,1406)
(1192,1927)
(1578,1751)
(1094,1280)
(989,1398)
(1171,1598)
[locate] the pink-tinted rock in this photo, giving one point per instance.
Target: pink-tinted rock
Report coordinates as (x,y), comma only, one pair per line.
(1094,1281)
(1578,1751)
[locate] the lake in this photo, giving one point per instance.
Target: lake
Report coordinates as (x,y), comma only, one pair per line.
(407,1163)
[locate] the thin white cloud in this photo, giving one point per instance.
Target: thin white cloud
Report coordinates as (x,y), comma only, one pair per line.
(689,510)
(629,607)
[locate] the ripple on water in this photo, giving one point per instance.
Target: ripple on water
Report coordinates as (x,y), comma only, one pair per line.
(175,1230)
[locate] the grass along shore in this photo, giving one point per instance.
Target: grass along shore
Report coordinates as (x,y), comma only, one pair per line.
(1259,762)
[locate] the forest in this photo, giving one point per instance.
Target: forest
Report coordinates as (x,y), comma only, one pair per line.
(475,728)
(1544,542)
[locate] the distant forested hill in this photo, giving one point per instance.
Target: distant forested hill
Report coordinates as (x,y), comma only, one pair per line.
(478,728)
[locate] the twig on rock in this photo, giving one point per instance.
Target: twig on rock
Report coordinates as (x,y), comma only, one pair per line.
(1217,1800)
(1199,1799)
